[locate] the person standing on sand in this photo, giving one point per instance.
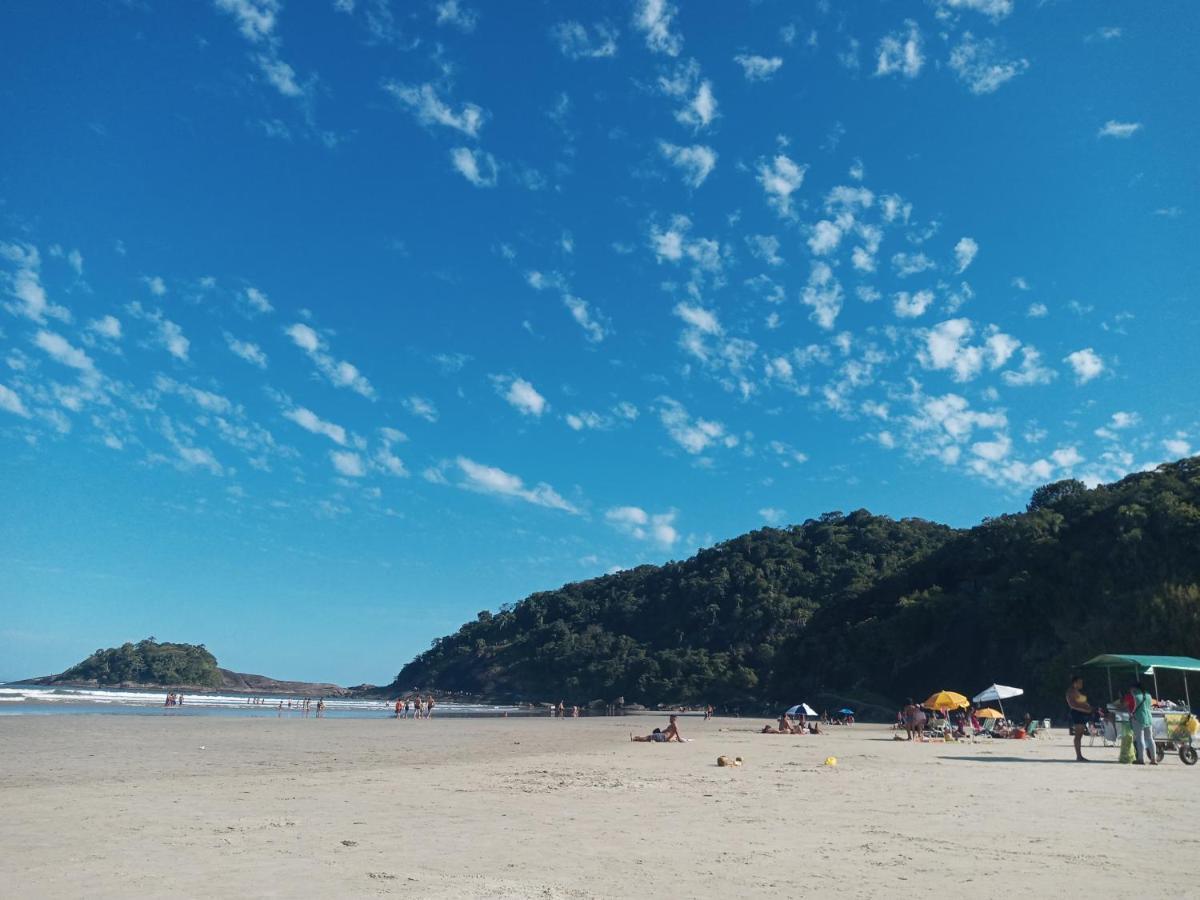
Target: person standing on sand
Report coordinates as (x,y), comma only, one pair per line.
(910,714)
(1080,712)
(1142,721)
(429,704)
(399,707)
(321,708)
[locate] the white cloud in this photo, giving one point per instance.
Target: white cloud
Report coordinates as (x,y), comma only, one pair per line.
(824,238)
(60,349)
(310,421)
(521,395)
(1177,447)
(477,166)
(206,400)
(964,253)
(157,286)
(10,402)
(255,18)
(947,347)
(257,300)
(107,327)
(695,162)
(1114,129)
(758,68)
(279,74)
(981,66)
(423,101)
(491,480)
(674,244)
(653,19)
(451,12)
(1066,457)
(25,285)
(993,451)
(780,179)
(594,326)
(772,515)
(348,463)
(910,306)
(907,264)
(996,9)
(1031,371)
(900,52)
(1086,364)
(701,319)
(766,248)
(823,294)
(701,110)
(637,523)
(339,373)
(693,435)
(575,42)
(248,351)
(1037,311)
(421,408)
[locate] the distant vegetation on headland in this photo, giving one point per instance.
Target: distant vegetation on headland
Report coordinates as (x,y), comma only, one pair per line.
(151,663)
(148,662)
(860,606)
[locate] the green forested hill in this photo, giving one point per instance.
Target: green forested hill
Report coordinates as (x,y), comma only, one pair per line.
(860,605)
(147,662)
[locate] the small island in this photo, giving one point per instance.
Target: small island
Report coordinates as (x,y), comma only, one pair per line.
(161,664)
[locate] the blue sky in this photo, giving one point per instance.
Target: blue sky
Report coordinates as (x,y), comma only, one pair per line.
(324,326)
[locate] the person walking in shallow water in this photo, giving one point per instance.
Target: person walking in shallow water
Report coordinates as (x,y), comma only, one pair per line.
(1081,713)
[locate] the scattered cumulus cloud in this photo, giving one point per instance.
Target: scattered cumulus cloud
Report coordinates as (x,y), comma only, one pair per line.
(1114,129)
(457,15)
(520,395)
(491,480)
(965,252)
(758,68)
(423,102)
(693,435)
(1086,364)
(695,163)
(653,19)
(576,41)
(339,373)
(595,327)
(634,521)
(780,178)
(899,53)
(421,408)
(10,402)
(981,65)
(247,350)
(348,463)
(477,166)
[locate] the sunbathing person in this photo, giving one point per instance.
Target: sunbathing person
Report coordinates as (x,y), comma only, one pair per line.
(660,735)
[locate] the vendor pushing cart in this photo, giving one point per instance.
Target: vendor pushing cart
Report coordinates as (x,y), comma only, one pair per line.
(1173,725)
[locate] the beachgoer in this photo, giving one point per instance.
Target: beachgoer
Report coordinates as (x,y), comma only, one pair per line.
(911,715)
(1080,712)
(429,704)
(321,708)
(1143,724)
(399,707)
(661,735)
(561,709)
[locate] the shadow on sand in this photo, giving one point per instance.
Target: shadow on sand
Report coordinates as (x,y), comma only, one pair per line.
(1025,759)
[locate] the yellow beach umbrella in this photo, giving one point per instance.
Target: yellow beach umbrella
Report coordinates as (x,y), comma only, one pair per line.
(944,700)
(989,713)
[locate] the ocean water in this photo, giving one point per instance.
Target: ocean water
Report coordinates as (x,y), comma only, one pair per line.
(38,700)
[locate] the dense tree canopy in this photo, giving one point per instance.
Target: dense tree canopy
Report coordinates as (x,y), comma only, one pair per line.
(148,662)
(860,605)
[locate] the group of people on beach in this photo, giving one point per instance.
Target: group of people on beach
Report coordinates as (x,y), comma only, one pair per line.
(420,709)
(174,699)
(788,725)
(1136,701)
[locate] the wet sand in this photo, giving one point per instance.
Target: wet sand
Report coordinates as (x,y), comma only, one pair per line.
(153,806)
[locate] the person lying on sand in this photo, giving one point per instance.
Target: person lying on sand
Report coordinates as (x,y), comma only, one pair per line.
(660,735)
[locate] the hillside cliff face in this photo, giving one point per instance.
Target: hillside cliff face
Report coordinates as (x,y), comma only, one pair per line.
(860,605)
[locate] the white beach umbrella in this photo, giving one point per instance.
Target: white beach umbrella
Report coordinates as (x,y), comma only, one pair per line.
(997,693)
(802,708)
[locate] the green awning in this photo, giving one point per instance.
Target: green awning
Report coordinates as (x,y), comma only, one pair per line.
(1144,663)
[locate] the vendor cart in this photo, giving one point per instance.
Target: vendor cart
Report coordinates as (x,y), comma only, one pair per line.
(1172,725)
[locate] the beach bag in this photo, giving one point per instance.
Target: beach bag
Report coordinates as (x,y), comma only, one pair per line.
(1126,752)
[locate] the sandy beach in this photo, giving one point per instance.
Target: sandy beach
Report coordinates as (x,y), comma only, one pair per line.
(149,806)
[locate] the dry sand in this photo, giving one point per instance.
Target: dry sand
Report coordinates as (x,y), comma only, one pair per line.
(149,806)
